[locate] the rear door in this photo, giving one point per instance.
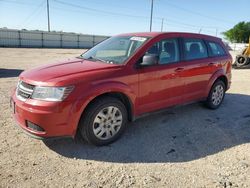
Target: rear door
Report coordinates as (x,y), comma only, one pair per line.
(198,68)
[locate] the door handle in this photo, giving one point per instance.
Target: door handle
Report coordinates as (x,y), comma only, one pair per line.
(211,64)
(179,69)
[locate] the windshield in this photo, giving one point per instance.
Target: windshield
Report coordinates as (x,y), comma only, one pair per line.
(115,50)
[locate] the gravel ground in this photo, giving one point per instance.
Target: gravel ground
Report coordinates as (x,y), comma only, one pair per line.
(188,146)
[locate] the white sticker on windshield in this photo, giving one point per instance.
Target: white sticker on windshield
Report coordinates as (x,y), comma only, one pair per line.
(141,39)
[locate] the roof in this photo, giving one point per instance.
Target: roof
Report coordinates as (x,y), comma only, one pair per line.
(155,34)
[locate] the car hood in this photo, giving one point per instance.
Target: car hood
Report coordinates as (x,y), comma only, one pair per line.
(65,71)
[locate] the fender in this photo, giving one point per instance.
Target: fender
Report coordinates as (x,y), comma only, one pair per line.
(213,78)
(100,89)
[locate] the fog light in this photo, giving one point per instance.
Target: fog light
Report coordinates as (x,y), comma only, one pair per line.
(34,127)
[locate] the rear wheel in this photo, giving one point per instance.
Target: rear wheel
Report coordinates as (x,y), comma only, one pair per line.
(104,121)
(216,95)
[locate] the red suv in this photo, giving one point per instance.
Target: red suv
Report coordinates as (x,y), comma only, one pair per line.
(117,81)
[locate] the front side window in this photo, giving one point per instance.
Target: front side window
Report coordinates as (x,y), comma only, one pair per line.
(167,50)
(115,50)
(216,49)
(194,49)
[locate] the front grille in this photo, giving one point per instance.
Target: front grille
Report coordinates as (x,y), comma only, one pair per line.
(24,90)
(28,86)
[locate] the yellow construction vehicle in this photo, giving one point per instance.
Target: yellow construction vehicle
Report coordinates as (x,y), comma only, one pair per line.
(243,60)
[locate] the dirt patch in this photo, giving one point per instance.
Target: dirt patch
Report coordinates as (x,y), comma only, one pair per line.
(189,146)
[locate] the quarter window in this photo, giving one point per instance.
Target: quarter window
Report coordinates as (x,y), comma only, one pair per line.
(194,49)
(216,49)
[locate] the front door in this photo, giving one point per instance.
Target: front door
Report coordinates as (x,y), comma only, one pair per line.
(161,84)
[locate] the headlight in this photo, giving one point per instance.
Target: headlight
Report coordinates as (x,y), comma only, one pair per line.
(51,93)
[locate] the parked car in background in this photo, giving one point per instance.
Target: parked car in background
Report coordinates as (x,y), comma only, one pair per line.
(119,80)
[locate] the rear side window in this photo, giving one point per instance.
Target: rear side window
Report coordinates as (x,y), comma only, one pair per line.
(194,49)
(215,49)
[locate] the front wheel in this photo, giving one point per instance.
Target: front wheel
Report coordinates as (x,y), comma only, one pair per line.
(216,95)
(104,121)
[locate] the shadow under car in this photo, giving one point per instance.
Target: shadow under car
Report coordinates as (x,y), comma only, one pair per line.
(175,135)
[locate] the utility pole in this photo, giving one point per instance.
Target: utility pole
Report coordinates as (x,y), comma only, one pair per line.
(151,17)
(216,32)
(162,23)
(48,15)
(200,30)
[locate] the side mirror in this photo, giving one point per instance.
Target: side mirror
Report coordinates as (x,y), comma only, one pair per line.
(149,59)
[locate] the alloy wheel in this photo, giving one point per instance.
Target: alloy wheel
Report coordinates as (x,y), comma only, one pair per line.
(217,95)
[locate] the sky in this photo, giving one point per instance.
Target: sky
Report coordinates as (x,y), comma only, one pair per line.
(110,17)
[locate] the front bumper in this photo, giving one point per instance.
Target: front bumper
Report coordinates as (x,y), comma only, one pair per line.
(53,119)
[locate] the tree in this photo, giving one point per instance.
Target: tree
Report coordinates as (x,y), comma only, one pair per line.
(239,33)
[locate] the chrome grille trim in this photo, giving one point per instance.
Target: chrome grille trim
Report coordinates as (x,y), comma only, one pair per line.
(24,90)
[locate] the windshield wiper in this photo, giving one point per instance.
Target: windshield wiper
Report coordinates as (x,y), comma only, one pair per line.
(96,58)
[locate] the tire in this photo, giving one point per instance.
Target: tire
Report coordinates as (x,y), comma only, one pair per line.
(241,61)
(216,95)
(104,121)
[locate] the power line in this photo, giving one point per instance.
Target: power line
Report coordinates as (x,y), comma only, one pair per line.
(189,25)
(128,15)
(144,20)
(119,14)
(98,10)
(174,25)
(17,2)
(170,21)
(30,16)
(197,13)
(117,5)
